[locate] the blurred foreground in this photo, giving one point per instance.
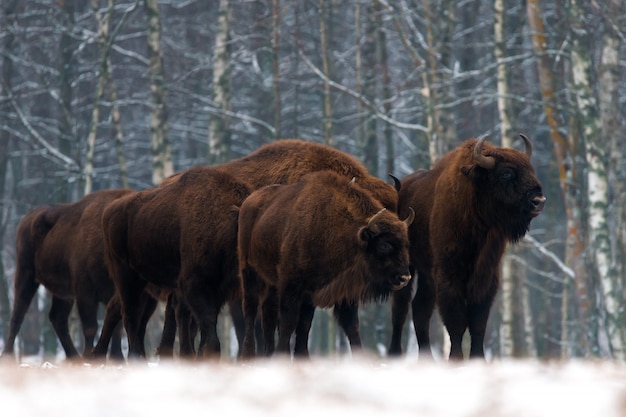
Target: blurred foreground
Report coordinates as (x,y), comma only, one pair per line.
(354,387)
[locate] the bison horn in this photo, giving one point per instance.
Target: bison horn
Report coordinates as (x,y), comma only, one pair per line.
(487,162)
(409,219)
(528,147)
(396,182)
(371,224)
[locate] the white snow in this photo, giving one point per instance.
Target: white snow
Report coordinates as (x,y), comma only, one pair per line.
(319,387)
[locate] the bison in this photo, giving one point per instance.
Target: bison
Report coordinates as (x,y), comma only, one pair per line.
(474,201)
(61,247)
(180,237)
(285,162)
(319,242)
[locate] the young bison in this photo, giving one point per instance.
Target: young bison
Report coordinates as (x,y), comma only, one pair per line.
(60,247)
(285,161)
(476,198)
(181,237)
(319,242)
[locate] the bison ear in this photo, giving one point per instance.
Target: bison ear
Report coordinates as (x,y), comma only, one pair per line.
(365,235)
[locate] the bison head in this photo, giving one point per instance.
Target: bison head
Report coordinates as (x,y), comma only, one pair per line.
(386,244)
(506,190)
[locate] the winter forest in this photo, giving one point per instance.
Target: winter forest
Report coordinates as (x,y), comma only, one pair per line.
(107,94)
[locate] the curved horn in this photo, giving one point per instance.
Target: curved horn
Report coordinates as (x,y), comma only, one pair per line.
(527,144)
(396,182)
(487,162)
(409,219)
(371,224)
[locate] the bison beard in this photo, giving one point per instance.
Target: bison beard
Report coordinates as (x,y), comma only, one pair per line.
(475,199)
(319,242)
(61,247)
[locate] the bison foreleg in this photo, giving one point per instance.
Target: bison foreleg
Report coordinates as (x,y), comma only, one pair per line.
(347,315)
(478,314)
(305,319)
(454,316)
(399,310)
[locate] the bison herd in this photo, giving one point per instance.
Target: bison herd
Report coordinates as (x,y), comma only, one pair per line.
(293,226)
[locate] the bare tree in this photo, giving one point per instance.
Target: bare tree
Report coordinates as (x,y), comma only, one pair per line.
(219,129)
(162,165)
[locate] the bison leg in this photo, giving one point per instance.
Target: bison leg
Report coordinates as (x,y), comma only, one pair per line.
(290,304)
(478,314)
(422,308)
(269,312)
(112,319)
(401,300)
(25,289)
(58,315)
(252,287)
(187,329)
(168,336)
(454,316)
(148,305)
(347,315)
(88,313)
(305,319)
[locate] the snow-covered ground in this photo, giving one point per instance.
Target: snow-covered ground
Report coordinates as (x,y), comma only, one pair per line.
(318,387)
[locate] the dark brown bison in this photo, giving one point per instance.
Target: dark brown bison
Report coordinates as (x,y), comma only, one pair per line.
(60,247)
(319,242)
(180,237)
(476,198)
(285,162)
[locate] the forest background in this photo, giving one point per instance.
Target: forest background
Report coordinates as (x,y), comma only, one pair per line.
(112,93)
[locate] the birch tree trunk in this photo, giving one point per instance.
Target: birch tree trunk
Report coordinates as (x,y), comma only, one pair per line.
(368,57)
(596,146)
(6,73)
(162,165)
(327,119)
(102,35)
(565,153)
(276,68)
(219,127)
(507,329)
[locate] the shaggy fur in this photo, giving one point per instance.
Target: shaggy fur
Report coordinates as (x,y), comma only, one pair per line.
(179,237)
(313,244)
(466,212)
(61,248)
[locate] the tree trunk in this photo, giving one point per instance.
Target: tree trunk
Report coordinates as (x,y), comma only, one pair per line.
(102,38)
(596,146)
(8,19)
(369,70)
(162,165)
(327,118)
(219,128)
(564,151)
(276,67)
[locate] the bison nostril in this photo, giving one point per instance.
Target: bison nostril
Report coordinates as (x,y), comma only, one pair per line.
(538,202)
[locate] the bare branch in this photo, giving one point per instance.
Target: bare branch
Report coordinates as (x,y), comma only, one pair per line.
(69,163)
(360,97)
(545,251)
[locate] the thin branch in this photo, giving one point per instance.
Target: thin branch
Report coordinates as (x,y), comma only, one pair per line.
(70,164)
(363,100)
(541,248)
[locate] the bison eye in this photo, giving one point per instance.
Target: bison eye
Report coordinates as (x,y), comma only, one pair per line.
(384,248)
(506,175)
